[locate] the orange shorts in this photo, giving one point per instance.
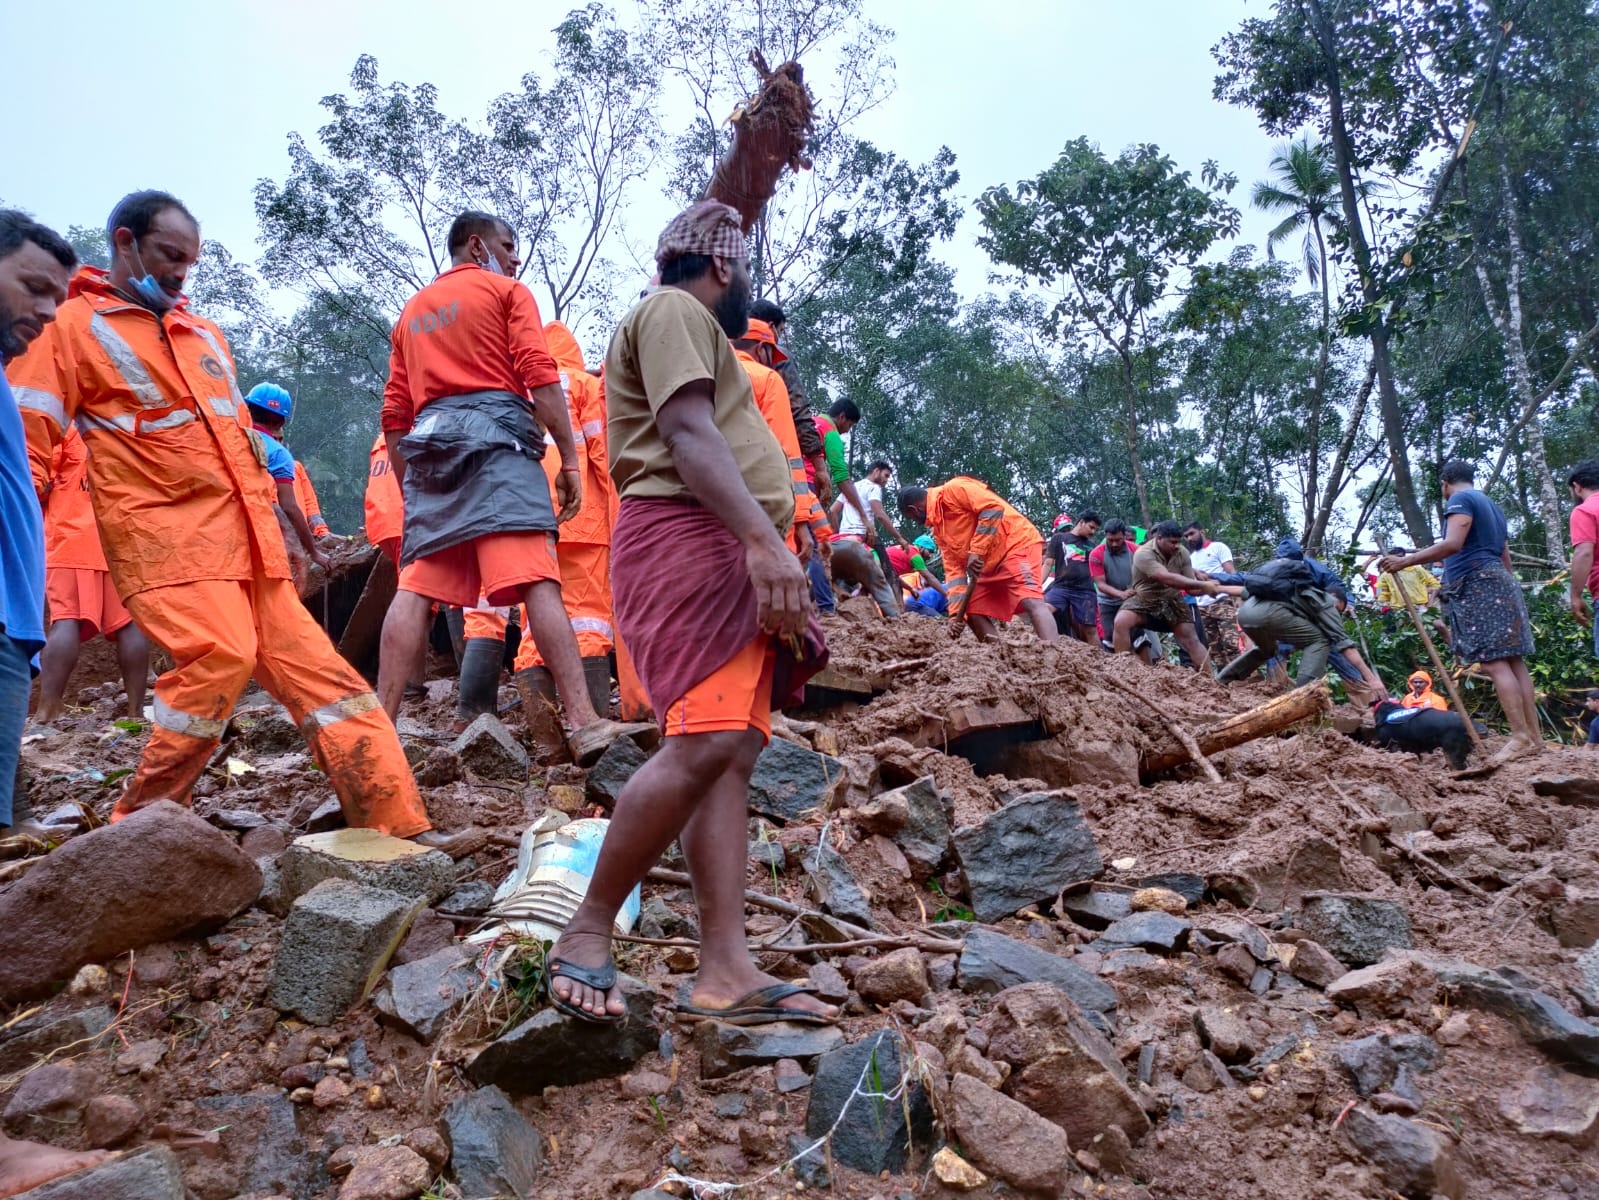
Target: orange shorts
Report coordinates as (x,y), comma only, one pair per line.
(497,566)
(485,622)
(1002,587)
(391,548)
(86,597)
(736,696)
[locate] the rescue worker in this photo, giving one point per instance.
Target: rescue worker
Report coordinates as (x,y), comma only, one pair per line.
(997,550)
(78,590)
(384,508)
(1421,694)
(185,515)
(583,553)
(467,353)
(271,408)
(266,403)
(770,316)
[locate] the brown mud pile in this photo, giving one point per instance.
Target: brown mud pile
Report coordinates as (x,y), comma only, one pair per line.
(1505,880)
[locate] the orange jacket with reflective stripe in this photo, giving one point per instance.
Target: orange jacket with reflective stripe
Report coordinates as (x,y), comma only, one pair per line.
(305,494)
(585,409)
(962,516)
(71,538)
(385,506)
(771,397)
(177,478)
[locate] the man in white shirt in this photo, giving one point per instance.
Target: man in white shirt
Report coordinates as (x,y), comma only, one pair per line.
(870,491)
(1218,615)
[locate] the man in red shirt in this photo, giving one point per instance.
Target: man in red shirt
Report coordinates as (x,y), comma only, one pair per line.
(468,352)
(1583,480)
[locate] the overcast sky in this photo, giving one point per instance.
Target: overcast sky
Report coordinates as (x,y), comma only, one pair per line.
(198,98)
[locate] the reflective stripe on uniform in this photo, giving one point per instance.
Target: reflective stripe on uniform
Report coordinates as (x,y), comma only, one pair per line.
(176,721)
(339,710)
(178,416)
(224,407)
(592,625)
(127,363)
(593,428)
(40,401)
(227,367)
(88,422)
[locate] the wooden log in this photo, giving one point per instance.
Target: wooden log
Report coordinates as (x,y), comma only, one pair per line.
(359,640)
(1272,717)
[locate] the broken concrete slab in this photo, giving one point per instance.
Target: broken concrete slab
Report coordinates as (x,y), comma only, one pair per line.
(553,1050)
(150,1174)
(726,1049)
(1007,1139)
(789,781)
(493,1149)
(1355,929)
(992,962)
(490,751)
(1025,853)
(367,857)
(875,1135)
(161,873)
(337,940)
(420,997)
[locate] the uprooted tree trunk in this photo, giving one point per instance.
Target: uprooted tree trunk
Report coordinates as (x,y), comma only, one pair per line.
(769,133)
(1276,715)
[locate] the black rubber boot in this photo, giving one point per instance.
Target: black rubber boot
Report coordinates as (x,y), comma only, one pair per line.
(479,688)
(541,714)
(597,674)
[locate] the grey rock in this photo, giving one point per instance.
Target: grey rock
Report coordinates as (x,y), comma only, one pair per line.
(657,919)
(1189,886)
(993,962)
(915,819)
(1581,791)
(336,941)
(554,1050)
(1537,1017)
(469,900)
(31,1038)
(1224,927)
(835,887)
(323,818)
(420,997)
(369,858)
(726,1049)
(493,1149)
(262,1149)
(789,781)
(271,732)
(1355,929)
(151,1174)
(489,751)
(1026,852)
(1413,1159)
(1097,908)
(810,1166)
(236,819)
(1588,966)
(607,777)
(1555,1104)
(876,1135)
(1148,930)
(768,857)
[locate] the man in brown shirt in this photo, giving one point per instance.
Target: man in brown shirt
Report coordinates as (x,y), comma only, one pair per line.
(707,594)
(1161,574)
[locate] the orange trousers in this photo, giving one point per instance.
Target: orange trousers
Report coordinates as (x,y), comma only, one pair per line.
(220,632)
(586,595)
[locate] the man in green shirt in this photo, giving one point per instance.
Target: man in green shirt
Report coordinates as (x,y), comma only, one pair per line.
(842,416)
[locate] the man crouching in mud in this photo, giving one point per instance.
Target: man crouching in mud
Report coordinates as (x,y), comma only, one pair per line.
(699,473)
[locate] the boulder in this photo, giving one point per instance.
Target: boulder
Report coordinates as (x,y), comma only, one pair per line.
(490,751)
(835,887)
(610,774)
(1008,1140)
(151,1174)
(493,1149)
(875,1134)
(914,818)
(369,858)
(1413,1159)
(993,962)
(1555,1104)
(335,944)
(1355,929)
(1061,1066)
(1025,853)
(159,874)
(898,975)
(553,1050)
(789,781)
(726,1049)
(420,997)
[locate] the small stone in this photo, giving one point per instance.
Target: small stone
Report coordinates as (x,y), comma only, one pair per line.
(968,1060)
(109,1121)
(306,1074)
(992,962)
(1227,1034)
(643,1085)
(141,1058)
(726,1049)
(1455,1031)
(54,1092)
(553,1050)
(330,1090)
(1186,884)
(1355,929)
(469,900)
(266,841)
(790,1076)
(421,997)
(731,1106)
(789,781)
(608,776)
(1237,962)
(1412,1158)
(899,975)
(1158,899)
(387,1173)
(1391,1102)
(489,750)
(828,982)
(430,1144)
(1555,1104)
(955,1172)
(1314,965)
(89,980)
(1224,927)
(1149,930)
(835,887)
(1097,908)
(494,1151)
(1007,1139)
(1208,1074)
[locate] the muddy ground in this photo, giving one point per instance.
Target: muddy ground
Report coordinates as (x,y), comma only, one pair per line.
(1292,814)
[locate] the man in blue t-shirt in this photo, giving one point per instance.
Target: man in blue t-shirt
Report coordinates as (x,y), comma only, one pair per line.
(35,266)
(280,465)
(1487,612)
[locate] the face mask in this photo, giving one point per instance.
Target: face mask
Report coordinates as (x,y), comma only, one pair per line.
(147,291)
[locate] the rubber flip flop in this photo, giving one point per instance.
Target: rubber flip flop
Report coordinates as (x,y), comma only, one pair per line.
(601,979)
(761,1007)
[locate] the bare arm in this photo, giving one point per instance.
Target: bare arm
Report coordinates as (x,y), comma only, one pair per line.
(290,505)
(881,514)
(1182,583)
(1455,531)
(1581,568)
(705,464)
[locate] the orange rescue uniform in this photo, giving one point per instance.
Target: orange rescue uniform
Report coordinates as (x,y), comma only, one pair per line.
(385,507)
(77,584)
(967,518)
(470,330)
(771,397)
(305,496)
(584,546)
(185,511)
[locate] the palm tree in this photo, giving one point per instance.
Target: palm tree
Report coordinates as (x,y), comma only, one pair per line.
(1304,189)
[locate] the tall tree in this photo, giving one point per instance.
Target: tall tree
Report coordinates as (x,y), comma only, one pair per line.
(1105,238)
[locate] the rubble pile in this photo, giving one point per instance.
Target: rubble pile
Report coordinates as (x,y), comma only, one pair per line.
(1335,973)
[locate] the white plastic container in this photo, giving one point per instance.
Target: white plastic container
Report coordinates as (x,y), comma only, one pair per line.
(554,865)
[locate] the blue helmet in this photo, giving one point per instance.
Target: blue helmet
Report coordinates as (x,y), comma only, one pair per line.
(269,397)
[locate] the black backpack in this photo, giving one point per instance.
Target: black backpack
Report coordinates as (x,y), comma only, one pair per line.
(1280,579)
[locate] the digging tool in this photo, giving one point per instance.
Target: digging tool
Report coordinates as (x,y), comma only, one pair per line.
(1432,653)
